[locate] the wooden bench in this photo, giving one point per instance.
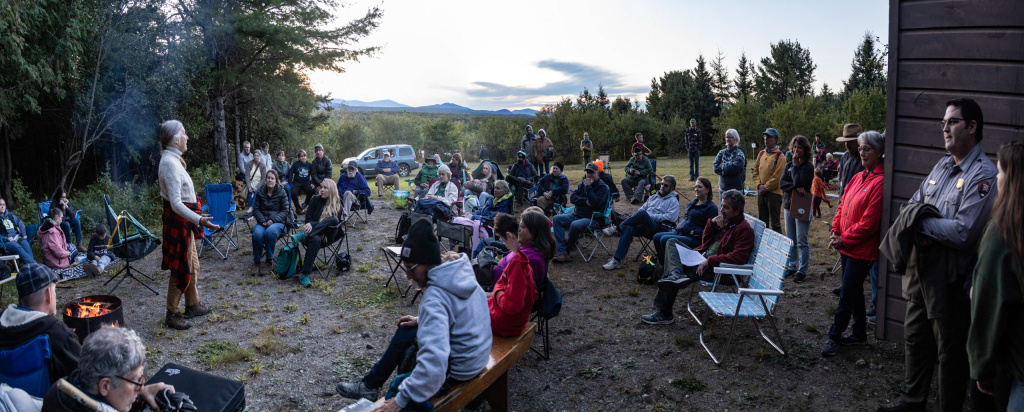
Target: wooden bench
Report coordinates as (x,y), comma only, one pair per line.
(491,384)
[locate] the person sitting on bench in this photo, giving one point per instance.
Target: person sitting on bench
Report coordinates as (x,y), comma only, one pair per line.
(110,371)
(34,315)
(728,238)
(454,342)
(514,291)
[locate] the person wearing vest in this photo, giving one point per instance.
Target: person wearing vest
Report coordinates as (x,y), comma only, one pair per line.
(768,169)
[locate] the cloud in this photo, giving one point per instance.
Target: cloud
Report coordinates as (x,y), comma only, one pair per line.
(578,76)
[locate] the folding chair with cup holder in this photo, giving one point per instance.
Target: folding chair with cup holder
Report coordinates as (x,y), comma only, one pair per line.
(593,236)
(221,207)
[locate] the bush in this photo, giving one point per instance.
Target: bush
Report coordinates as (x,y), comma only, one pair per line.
(142,201)
(207,174)
(24,207)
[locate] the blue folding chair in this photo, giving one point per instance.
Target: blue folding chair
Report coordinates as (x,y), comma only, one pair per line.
(27,367)
(44,211)
(221,207)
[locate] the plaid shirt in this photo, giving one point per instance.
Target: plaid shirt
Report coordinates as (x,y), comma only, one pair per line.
(175,245)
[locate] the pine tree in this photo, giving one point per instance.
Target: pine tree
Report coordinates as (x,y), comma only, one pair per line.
(867,69)
(787,72)
(721,83)
(744,84)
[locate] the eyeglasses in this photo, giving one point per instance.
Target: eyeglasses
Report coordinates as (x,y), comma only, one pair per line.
(864,149)
(410,268)
(951,122)
(140,384)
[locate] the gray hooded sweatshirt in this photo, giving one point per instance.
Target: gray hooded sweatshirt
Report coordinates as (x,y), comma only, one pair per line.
(454,327)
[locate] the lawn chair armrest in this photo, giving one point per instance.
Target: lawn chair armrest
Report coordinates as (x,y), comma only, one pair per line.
(769,292)
(733,271)
(734,266)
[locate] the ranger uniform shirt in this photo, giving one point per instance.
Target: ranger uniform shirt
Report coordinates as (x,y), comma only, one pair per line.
(964,194)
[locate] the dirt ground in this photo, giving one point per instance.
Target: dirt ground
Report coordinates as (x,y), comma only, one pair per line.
(291,345)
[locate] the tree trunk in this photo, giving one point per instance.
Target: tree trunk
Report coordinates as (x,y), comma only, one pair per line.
(6,169)
(220,134)
(238,126)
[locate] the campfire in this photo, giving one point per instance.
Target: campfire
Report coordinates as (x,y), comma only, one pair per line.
(88,314)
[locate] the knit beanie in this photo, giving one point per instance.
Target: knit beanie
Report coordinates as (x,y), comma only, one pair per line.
(421,246)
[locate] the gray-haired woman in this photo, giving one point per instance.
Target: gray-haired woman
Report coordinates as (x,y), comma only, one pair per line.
(730,163)
(181,227)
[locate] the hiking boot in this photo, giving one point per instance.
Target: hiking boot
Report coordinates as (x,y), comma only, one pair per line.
(658,318)
(356,390)
(850,340)
(562,258)
(81,249)
(830,349)
(837,291)
(91,269)
(198,310)
(635,201)
(177,321)
(870,312)
(800,278)
(304,280)
(613,263)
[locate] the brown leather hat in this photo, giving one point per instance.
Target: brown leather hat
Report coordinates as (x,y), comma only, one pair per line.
(850,132)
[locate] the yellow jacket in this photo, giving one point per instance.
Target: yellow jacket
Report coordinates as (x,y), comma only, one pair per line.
(768,169)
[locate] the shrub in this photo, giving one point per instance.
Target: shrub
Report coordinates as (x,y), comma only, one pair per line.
(141,201)
(24,207)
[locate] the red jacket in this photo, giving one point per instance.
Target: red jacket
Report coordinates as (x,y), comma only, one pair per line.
(513,297)
(859,215)
(736,246)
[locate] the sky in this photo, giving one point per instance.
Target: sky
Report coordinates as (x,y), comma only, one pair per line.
(491,55)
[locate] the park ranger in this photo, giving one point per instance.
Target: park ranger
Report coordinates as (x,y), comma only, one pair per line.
(962,186)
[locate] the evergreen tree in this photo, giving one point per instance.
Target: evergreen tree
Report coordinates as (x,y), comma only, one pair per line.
(721,83)
(787,72)
(744,83)
(867,69)
(705,102)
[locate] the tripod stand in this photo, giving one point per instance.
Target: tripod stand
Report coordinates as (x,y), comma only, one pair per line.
(127,271)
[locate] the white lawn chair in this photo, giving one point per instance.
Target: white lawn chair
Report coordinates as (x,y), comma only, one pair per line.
(759,226)
(758,299)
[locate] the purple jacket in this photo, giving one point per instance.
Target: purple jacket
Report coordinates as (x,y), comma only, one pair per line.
(537,263)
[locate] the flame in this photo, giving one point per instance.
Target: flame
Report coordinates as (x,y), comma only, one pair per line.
(89,310)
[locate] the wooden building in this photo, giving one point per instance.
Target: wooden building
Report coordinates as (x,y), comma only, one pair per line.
(940,50)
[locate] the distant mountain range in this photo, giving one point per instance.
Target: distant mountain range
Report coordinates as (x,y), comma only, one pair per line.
(393,106)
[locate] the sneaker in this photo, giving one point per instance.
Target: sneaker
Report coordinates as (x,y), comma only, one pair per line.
(175,320)
(871,320)
(612,264)
(198,310)
(304,280)
(610,230)
(635,201)
(849,340)
(356,390)
(830,349)
(676,277)
(789,273)
(800,278)
(658,318)
(562,258)
(870,312)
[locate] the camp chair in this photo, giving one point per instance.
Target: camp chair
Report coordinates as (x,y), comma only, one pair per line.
(362,208)
(479,174)
(594,233)
(757,300)
(330,244)
(27,366)
(547,306)
(129,240)
(759,227)
(457,235)
(647,242)
(44,212)
(221,208)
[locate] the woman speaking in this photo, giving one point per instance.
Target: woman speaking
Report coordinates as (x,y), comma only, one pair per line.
(181,223)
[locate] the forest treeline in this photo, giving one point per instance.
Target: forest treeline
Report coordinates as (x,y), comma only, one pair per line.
(84,84)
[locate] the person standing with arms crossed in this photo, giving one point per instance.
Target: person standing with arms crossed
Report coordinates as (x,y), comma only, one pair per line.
(587,147)
(181,227)
(768,169)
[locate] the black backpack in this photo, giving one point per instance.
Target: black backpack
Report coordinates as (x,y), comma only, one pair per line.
(647,274)
(483,267)
(402,229)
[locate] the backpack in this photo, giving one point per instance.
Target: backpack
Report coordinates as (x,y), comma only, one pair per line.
(549,154)
(289,259)
(483,268)
(551,305)
(343,261)
(402,228)
(647,273)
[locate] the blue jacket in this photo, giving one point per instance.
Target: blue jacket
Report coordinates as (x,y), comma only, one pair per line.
(730,165)
(17,226)
(357,183)
(490,210)
(559,187)
(696,217)
(590,199)
(301,173)
(381,165)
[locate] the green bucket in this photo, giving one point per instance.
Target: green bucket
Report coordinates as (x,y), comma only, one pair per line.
(400,197)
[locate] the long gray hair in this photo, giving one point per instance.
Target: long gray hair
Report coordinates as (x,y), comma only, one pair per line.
(110,352)
(169,133)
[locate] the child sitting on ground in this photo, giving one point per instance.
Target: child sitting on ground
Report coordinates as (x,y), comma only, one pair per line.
(818,190)
(98,256)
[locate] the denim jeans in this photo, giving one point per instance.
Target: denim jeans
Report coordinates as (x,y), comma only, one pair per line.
(796,230)
(1016,396)
(640,224)
(874,284)
(22,249)
(694,164)
(851,299)
(264,239)
(661,240)
(574,225)
(72,223)
(403,339)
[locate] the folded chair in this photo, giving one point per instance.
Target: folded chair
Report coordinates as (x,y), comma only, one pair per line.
(759,226)
(131,241)
(221,207)
(757,301)
(593,236)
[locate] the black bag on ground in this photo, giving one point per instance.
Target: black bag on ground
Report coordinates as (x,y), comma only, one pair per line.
(648,273)
(210,393)
(343,261)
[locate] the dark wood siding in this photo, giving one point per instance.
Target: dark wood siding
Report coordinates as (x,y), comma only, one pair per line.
(938,51)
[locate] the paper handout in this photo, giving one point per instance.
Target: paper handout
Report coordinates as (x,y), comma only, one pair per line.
(689,257)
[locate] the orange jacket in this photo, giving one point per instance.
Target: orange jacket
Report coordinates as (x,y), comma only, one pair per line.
(859,215)
(818,187)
